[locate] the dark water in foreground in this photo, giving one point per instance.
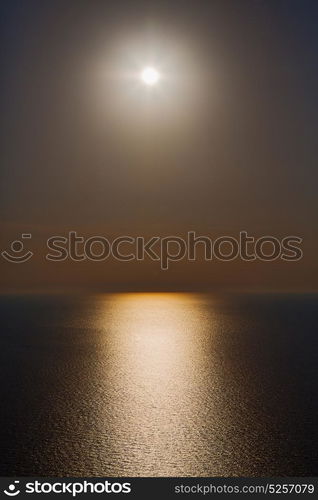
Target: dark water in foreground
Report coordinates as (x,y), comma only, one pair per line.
(159,384)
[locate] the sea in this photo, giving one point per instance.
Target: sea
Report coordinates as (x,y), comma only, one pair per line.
(159,384)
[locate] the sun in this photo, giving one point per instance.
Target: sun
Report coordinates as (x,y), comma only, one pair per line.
(150,76)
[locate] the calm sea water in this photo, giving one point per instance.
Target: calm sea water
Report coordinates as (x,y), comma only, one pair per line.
(159,384)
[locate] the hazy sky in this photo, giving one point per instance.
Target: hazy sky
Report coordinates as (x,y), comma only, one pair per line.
(228,142)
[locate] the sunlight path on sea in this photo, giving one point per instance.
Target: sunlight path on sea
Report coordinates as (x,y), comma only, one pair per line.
(157,351)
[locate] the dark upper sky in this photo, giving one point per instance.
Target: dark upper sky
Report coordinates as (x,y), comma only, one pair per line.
(228,143)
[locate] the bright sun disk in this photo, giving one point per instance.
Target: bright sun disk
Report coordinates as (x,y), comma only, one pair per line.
(150,76)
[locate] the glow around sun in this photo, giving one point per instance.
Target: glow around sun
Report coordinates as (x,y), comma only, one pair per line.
(150,76)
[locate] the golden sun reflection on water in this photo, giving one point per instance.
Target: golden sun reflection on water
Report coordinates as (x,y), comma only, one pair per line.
(157,347)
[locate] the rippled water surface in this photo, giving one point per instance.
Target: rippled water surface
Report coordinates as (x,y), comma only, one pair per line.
(159,384)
